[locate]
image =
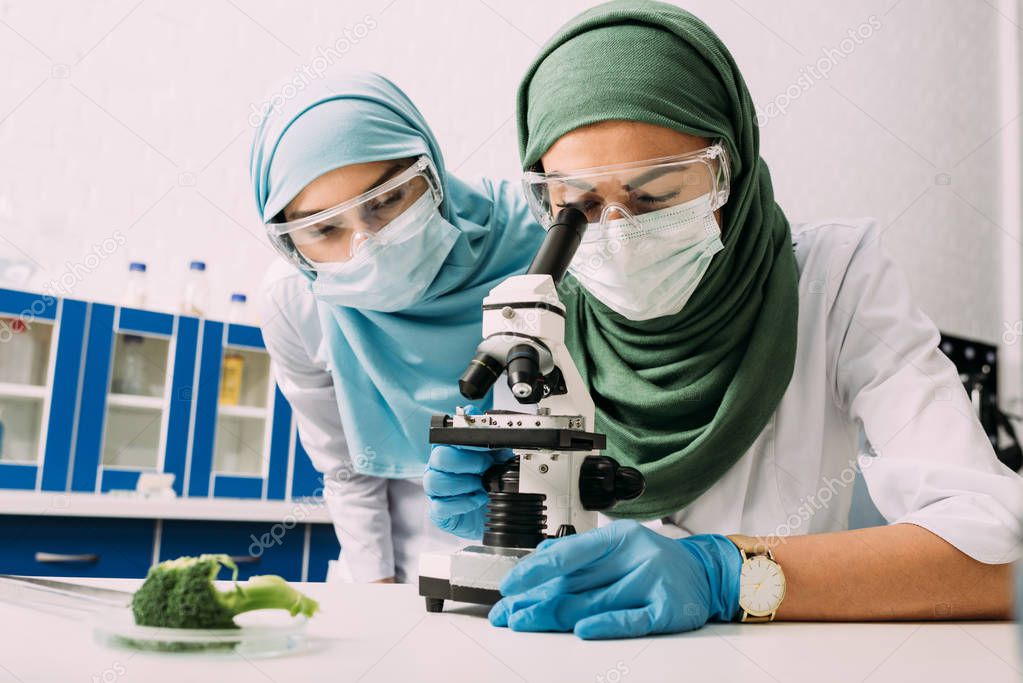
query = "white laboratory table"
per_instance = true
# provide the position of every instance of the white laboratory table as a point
(382, 633)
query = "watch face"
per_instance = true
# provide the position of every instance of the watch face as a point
(761, 586)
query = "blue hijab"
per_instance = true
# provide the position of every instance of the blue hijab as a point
(392, 371)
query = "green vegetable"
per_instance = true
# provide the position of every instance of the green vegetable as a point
(180, 594)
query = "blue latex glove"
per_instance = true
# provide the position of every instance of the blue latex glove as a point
(454, 484)
(621, 581)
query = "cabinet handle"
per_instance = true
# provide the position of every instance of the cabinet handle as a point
(244, 559)
(60, 558)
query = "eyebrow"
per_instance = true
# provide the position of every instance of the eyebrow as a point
(579, 184)
(652, 174)
(391, 171)
(640, 181)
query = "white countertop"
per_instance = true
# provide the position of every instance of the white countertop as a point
(382, 633)
(61, 504)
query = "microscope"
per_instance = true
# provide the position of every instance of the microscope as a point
(556, 481)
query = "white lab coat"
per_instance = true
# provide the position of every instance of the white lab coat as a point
(382, 524)
(866, 358)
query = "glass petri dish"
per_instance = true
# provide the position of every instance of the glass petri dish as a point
(262, 634)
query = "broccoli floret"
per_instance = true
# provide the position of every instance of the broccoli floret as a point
(180, 594)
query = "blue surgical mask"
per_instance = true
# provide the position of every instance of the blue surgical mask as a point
(392, 271)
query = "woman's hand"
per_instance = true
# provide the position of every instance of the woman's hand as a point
(621, 581)
(454, 484)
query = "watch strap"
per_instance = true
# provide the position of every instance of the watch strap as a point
(751, 546)
(748, 618)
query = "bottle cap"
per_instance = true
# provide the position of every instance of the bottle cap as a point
(197, 265)
(238, 297)
(137, 266)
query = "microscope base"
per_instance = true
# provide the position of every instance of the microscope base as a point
(436, 591)
(473, 575)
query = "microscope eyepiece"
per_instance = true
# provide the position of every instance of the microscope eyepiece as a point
(479, 376)
(559, 245)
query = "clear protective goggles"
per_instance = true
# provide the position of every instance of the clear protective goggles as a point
(335, 235)
(631, 189)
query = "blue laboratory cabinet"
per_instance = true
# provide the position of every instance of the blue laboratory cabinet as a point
(92, 396)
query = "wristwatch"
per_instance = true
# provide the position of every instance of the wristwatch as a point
(761, 581)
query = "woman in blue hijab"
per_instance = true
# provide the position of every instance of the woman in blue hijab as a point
(376, 305)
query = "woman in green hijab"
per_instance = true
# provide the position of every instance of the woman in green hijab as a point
(734, 360)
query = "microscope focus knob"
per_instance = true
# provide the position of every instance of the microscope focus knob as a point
(603, 483)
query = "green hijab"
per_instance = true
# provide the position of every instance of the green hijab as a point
(681, 397)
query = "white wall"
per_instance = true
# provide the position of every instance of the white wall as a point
(132, 119)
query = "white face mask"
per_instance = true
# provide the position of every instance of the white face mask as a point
(391, 271)
(648, 266)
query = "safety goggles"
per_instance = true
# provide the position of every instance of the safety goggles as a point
(632, 189)
(336, 235)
